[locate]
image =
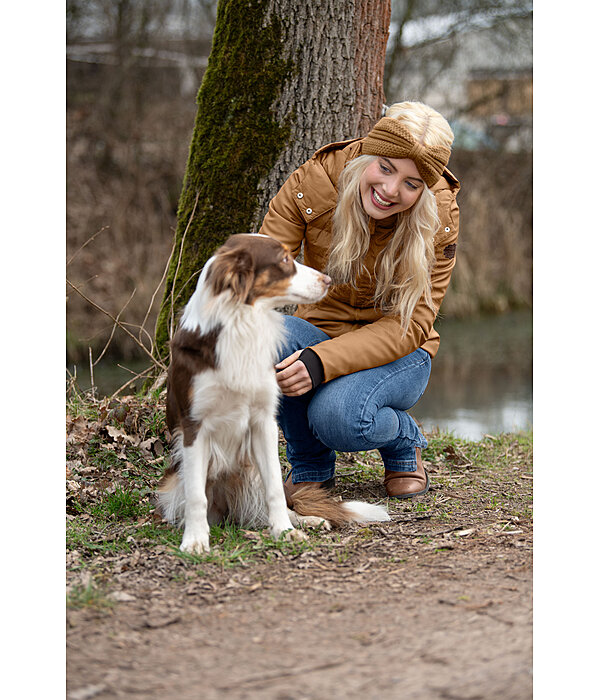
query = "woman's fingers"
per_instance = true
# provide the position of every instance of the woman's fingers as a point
(288, 360)
(294, 379)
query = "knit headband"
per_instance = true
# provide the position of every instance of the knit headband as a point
(389, 138)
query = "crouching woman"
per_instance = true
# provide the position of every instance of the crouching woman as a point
(378, 214)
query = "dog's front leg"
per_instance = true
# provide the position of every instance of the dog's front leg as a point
(195, 469)
(266, 457)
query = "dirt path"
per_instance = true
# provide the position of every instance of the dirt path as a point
(444, 623)
(435, 604)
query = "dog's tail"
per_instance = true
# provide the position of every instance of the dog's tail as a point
(170, 495)
(313, 500)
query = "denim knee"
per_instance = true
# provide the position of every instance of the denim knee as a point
(299, 334)
(344, 431)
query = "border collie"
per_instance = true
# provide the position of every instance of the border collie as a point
(222, 399)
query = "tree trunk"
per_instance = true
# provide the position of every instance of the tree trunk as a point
(284, 77)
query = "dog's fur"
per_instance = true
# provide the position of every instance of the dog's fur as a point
(222, 399)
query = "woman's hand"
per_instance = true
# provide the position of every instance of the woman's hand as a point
(292, 376)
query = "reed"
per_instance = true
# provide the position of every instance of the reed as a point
(494, 255)
(123, 185)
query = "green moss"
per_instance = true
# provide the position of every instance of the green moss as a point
(235, 143)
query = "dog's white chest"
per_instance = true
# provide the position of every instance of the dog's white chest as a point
(214, 402)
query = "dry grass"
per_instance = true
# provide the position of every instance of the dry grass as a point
(494, 257)
(123, 194)
(124, 178)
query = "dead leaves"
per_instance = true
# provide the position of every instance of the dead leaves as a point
(456, 457)
(151, 448)
(111, 443)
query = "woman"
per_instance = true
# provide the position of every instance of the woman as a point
(379, 216)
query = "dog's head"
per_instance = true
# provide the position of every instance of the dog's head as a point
(258, 269)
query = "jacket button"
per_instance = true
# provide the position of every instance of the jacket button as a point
(300, 195)
(309, 211)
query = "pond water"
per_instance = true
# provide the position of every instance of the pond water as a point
(481, 378)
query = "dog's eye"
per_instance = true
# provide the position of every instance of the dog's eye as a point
(286, 259)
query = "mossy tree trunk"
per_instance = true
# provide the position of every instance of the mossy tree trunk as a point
(284, 77)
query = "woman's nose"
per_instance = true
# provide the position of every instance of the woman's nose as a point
(392, 189)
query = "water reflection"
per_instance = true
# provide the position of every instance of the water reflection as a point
(481, 378)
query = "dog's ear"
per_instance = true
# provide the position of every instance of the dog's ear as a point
(232, 270)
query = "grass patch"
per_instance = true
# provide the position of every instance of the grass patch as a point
(125, 503)
(359, 467)
(232, 546)
(88, 596)
(116, 456)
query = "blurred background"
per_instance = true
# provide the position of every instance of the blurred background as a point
(133, 71)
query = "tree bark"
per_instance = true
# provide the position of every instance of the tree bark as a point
(284, 77)
(337, 91)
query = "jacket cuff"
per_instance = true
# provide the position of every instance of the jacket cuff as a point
(313, 365)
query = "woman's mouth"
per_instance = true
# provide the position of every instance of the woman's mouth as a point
(379, 201)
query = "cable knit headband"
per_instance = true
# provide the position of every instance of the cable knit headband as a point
(389, 138)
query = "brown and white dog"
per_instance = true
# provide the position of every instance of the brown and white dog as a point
(222, 399)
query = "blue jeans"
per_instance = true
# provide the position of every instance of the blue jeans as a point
(364, 410)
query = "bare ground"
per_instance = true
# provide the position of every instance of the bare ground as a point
(435, 604)
(459, 627)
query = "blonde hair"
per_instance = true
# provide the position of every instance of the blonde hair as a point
(403, 268)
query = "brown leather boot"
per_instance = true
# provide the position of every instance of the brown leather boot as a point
(291, 488)
(407, 484)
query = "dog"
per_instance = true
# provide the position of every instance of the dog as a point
(222, 399)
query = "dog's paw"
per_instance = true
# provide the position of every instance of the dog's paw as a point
(313, 521)
(194, 545)
(294, 535)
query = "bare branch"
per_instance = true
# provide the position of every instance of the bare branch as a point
(130, 381)
(121, 326)
(187, 228)
(92, 385)
(162, 279)
(89, 240)
(114, 328)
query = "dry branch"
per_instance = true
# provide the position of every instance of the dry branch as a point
(122, 326)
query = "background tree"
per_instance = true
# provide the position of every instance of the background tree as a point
(133, 72)
(283, 78)
(426, 37)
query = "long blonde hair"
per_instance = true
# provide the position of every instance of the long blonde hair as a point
(403, 268)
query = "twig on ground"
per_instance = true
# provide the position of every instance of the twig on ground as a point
(266, 678)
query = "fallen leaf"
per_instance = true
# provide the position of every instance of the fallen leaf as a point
(464, 533)
(156, 622)
(121, 597)
(116, 433)
(88, 692)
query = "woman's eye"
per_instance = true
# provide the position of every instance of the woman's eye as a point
(412, 186)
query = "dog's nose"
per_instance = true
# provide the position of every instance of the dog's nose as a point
(326, 280)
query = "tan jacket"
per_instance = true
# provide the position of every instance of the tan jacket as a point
(362, 336)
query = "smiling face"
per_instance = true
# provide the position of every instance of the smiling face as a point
(389, 186)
